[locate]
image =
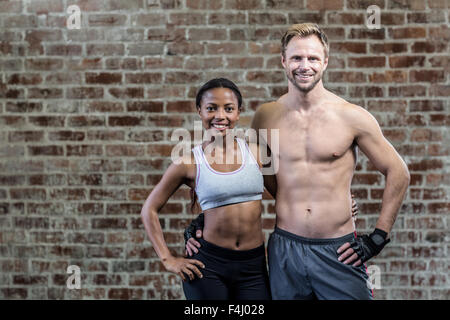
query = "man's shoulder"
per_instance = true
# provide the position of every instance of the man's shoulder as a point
(354, 115)
(348, 109)
(268, 106)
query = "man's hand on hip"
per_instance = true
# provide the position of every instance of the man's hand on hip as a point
(362, 248)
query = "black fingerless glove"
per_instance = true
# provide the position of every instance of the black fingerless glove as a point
(196, 224)
(367, 246)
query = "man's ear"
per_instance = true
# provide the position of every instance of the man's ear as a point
(325, 64)
(283, 60)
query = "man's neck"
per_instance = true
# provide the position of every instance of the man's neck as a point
(300, 100)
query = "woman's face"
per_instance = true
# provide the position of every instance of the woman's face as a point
(219, 110)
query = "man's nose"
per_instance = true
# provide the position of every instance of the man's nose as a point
(304, 64)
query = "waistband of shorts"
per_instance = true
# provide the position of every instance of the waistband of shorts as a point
(346, 238)
(231, 254)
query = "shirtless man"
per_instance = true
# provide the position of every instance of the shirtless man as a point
(314, 251)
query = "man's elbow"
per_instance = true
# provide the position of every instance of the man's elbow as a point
(406, 176)
(403, 176)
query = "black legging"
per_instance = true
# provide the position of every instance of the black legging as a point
(229, 274)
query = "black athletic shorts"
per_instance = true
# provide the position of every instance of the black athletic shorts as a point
(229, 274)
(303, 268)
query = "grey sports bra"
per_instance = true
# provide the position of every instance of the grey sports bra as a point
(215, 189)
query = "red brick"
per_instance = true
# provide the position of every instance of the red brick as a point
(439, 90)
(406, 61)
(438, 208)
(204, 4)
(63, 50)
(346, 76)
(226, 18)
(126, 93)
(84, 93)
(125, 294)
(129, 5)
(24, 79)
(389, 76)
(325, 4)
(201, 34)
(187, 19)
(86, 121)
(103, 78)
(407, 33)
(66, 136)
(440, 61)
(105, 49)
(265, 77)
(432, 76)
(426, 105)
(440, 4)
(348, 47)
(68, 194)
(166, 120)
(424, 165)
(147, 77)
(182, 77)
(313, 17)
(407, 4)
(364, 33)
(243, 4)
(345, 18)
(226, 48)
(22, 107)
(168, 34)
(106, 20)
(407, 91)
(45, 150)
(43, 64)
(426, 17)
(63, 78)
(428, 46)
(106, 135)
(145, 49)
(125, 121)
(366, 62)
(45, 93)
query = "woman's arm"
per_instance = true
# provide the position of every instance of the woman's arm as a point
(172, 179)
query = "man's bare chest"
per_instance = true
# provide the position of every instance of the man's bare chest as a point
(320, 139)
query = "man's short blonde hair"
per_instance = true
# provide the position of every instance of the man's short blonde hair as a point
(304, 30)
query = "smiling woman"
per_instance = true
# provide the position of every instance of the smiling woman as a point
(231, 262)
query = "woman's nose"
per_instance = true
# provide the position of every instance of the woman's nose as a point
(220, 114)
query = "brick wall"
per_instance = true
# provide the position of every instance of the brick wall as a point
(86, 118)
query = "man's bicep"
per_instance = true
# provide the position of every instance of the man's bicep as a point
(375, 146)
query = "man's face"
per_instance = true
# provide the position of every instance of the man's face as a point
(304, 62)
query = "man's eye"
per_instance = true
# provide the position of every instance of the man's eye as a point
(229, 109)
